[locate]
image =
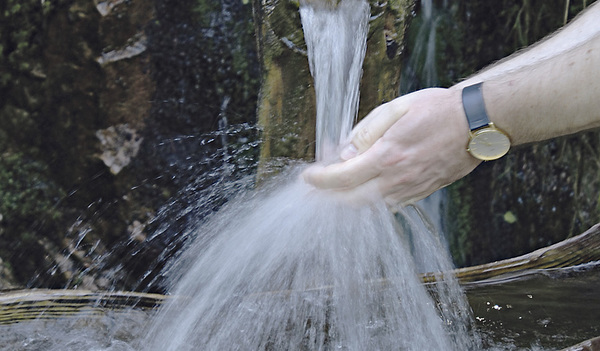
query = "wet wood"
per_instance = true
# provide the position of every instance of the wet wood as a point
(588, 345)
(580, 249)
(22, 305)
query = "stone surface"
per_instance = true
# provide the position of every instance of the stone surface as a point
(96, 98)
(119, 145)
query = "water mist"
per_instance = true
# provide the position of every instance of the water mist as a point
(291, 267)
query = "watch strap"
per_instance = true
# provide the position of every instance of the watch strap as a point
(472, 98)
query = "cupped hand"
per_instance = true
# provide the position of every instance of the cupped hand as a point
(405, 149)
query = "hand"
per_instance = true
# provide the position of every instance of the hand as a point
(404, 150)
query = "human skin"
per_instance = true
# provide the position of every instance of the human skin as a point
(416, 144)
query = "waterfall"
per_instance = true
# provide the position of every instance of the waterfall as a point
(336, 39)
(418, 72)
(291, 267)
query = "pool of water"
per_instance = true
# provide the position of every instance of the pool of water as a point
(545, 310)
(104, 330)
(542, 310)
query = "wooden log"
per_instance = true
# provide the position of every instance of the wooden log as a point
(580, 249)
(588, 345)
(22, 305)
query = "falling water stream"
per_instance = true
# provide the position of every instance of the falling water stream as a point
(291, 267)
(336, 39)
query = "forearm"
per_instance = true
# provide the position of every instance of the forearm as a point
(550, 90)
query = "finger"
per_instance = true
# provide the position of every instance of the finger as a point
(344, 175)
(376, 124)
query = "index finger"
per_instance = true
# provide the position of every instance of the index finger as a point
(376, 123)
(344, 175)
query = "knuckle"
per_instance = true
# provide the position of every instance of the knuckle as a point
(397, 107)
(362, 139)
(406, 178)
(392, 158)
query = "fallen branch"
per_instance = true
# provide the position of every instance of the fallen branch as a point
(588, 345)
(22, 305)
(580, 249)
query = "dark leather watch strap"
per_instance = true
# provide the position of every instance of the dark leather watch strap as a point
(474, 106)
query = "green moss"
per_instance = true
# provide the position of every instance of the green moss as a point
(460, 223)
(21, 24)
(202, 11)
(26, 195)
(28, 202)
(286, 106)
(284, 22)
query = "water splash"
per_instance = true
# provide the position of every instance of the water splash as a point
(291, 267)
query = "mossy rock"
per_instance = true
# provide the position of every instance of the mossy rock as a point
(286, 109)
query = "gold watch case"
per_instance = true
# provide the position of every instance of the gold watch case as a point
(488, 143)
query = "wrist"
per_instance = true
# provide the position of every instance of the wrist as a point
(486, 141)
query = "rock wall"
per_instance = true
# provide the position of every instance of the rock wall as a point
(108, 113)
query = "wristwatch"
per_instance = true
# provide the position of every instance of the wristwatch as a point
(486, 141)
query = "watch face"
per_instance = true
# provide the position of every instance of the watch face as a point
(489, 144)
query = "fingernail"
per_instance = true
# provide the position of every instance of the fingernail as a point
(348, 152)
